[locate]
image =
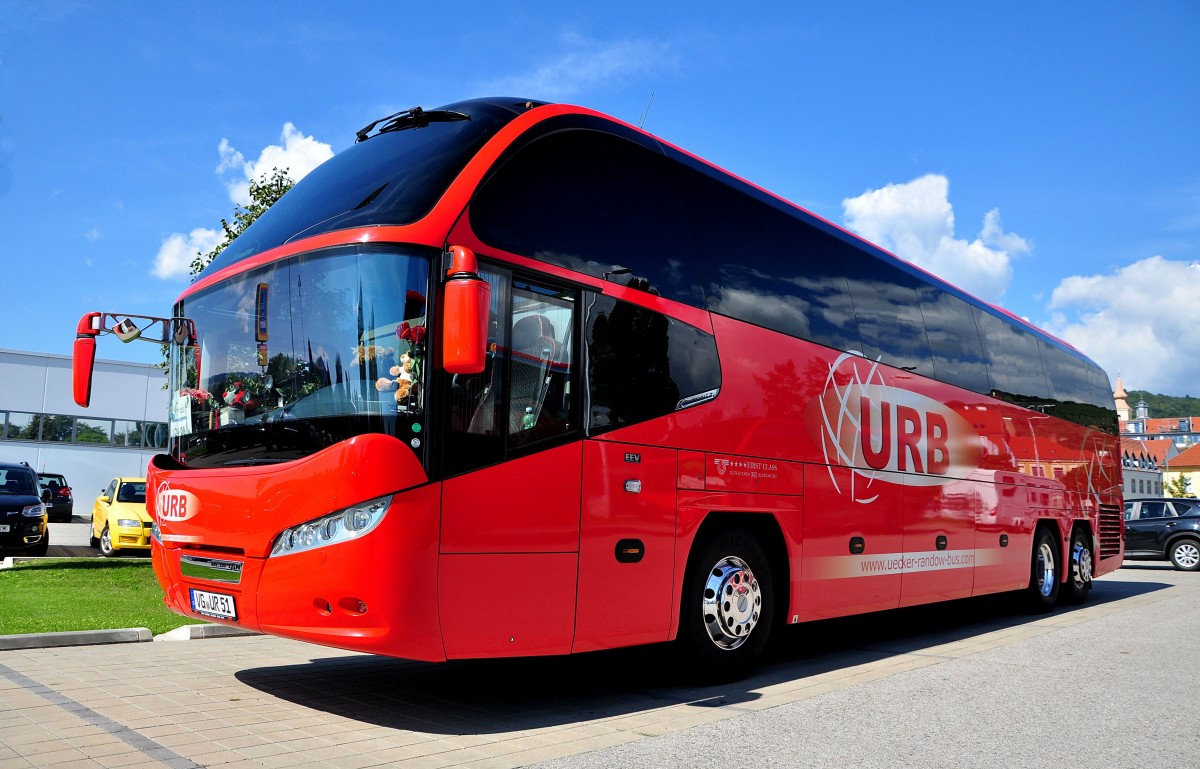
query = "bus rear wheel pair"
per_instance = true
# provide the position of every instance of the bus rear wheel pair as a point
(1045, 587)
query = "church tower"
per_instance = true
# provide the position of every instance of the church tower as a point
(1120, 395)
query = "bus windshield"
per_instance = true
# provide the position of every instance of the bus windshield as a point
(295, 356)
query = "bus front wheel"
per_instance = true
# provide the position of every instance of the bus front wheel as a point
(728, 606)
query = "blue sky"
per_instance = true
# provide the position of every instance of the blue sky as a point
(1045, 156)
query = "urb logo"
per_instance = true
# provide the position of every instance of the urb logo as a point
(174, 504)
(875, 429)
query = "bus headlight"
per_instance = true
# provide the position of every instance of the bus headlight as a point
(342, 526)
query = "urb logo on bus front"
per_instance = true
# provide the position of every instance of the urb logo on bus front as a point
(174, 504)
(875, 429)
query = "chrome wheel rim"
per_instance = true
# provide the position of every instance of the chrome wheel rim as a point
(1045, 569)
(1187, 555)
(1081, 565)
(105, 542)
(732, 603)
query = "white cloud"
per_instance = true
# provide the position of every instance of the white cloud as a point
(175, 255)
(915, 221)
(92, 235)
(296, 153)
(586, 65)
(1137, 321)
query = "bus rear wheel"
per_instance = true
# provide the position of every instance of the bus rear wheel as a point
(1042, 592)
(1079, 581)
(728, 606)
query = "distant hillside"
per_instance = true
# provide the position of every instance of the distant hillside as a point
(1164, 405)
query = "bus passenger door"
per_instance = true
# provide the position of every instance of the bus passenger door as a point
(627, 545)
(511, 456)
(509, 557)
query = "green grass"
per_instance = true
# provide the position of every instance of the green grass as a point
(47, 596)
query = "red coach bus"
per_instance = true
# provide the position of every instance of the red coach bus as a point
(511, 378)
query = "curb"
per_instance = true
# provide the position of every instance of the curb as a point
(120, 636)
(196, 632)
(75, 638)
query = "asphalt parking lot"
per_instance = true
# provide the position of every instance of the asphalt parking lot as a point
(973, 683)
(72, 539)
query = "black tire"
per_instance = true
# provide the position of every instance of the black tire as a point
(1081, 569)
(1185, 554)
(723, 639)
(41, 548)
(106, 546)
(1042, 592)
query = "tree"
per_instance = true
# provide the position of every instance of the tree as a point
(1179, 486)
(264, 192)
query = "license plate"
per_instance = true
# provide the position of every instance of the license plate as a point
(213, 604)
(3, 528)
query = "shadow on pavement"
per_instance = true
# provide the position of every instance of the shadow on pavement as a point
(490, 696)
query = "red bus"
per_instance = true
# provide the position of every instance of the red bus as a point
(511, 378)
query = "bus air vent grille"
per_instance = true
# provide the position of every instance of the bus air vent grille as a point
(1111, 520)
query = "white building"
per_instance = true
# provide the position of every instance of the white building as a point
(117, 435)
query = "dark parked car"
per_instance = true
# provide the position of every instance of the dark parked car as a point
(61, 504)
(24, 527)
(1163, 528)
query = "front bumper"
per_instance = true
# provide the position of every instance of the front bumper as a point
(22, 535)
(130, 538)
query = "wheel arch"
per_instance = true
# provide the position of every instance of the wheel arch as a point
(764, 527)
(1176, 537)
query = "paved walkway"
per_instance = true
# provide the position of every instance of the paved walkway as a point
(265, 702)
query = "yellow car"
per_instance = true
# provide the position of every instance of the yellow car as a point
(119, 517)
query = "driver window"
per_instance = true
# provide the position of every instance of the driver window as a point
(524, 395)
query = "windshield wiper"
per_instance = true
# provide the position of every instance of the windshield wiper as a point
(410, 118)
(254, 461)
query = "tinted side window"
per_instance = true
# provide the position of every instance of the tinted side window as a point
(1014, 362)
(1068, 375)
(766, 267)
(889, 316)
(1189, 509)
(1151, 510)
(1077, 398)
(953, 337)
(593, 203)
(643, 364)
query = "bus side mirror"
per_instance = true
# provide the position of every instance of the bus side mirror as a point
(465, 306)
(83, 359)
